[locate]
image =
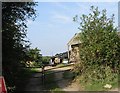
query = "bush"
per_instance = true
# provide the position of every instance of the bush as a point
(100, 48)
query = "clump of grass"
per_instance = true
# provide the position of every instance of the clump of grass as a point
(90, 85)
(96, 77)
(57, 90)
(24, 75)
(62, 65)
(68, 75)
(50, 83)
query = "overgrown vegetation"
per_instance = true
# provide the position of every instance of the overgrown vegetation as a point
(24, 77)
(14, 45)
(46, 60)
(68, 74)
(50, 83)
(99, 50)
(33, 58)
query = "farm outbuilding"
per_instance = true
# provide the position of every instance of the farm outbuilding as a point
(73, 48)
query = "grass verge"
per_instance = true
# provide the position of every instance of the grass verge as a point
(62, 65)
(51, 84)
(68, 75)
(24, 76)
(97, 85)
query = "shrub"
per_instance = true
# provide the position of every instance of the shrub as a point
(100, 48)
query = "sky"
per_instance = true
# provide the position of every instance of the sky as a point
(54, 26)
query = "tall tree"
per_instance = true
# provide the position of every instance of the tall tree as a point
(34, 55)
(100, 48)
(14, 28)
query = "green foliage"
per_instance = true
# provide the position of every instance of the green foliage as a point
(57, 90)
(50, 83)
(46, 59)
(34, 55)
(33, 58)
(68, 75)
(14, 45)
(100, 48)
(26, 74)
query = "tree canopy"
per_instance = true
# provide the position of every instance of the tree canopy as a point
(34, 55)
(100, 48)
(14, 30)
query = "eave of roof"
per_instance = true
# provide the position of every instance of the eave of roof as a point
(75, 39)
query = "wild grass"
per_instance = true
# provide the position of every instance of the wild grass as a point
(98, 85)
(24, 76)
(50, 83)
(68, 75)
